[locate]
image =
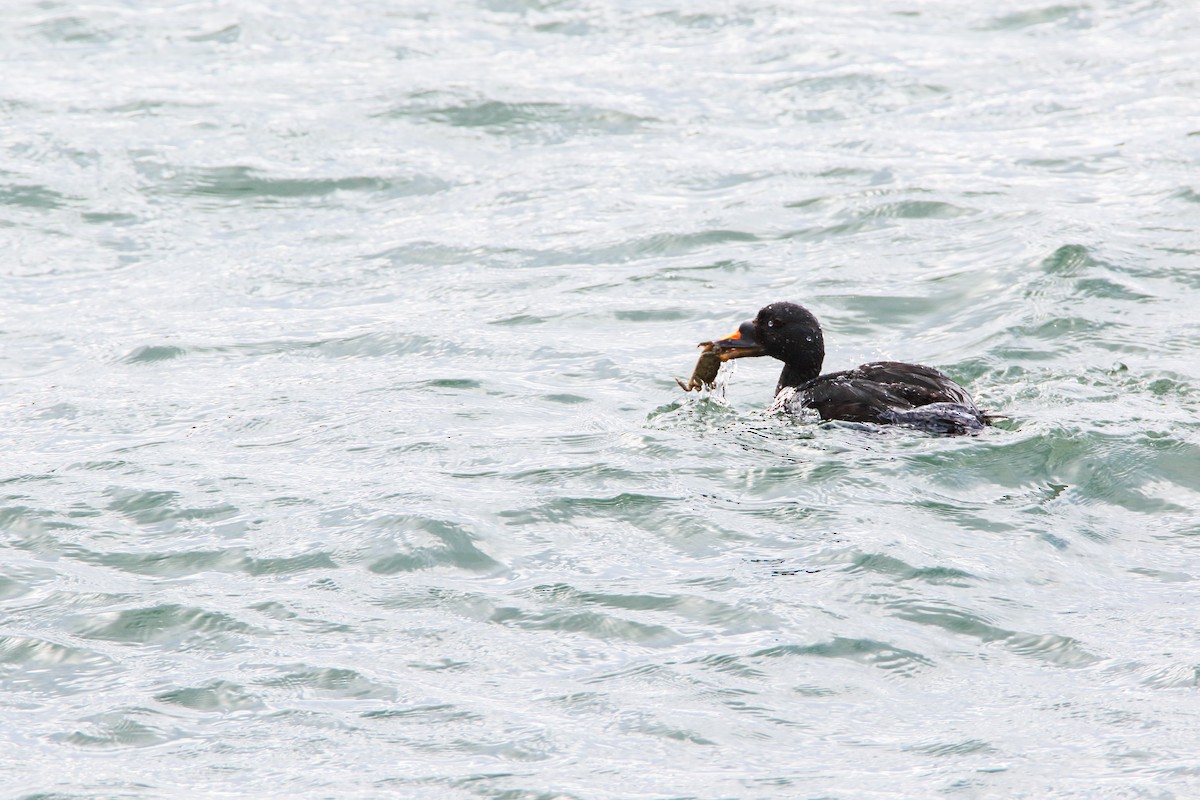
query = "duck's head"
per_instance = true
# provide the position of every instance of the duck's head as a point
(785, 331)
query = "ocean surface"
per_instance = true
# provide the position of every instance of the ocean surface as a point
(342, 455)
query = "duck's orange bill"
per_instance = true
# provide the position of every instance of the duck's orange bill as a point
(740, 344)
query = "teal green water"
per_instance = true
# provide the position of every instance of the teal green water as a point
(343, 455)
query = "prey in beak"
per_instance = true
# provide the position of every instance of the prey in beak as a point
(741, 344)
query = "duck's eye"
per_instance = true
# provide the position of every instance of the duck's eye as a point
(770, 323)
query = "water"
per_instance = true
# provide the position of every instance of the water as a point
(342, 453)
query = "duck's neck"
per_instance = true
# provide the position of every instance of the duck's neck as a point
(802, 350)
(799, 372)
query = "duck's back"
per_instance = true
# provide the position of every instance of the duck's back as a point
(891, 392)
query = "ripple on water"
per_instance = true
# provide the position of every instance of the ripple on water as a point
(238, 185)
(960, 748)
(42, 667)
(684, 608)
(435, 715)
(428, 543)
(152, 353)
(218, 696)
(278, 611)
(1091, 467)
(471, 605)
(1071, 16)
(169, 625)
(920, 209)
(157, 506)
(364, 345)
(1169, 676)
(300, 680)
(31, 196)
(598, 625)
(660, 516)
(545, 122)
(10, 587)
(869, 652)
(181, 563)
(125, 728)
(1061, 651)
(893, 567)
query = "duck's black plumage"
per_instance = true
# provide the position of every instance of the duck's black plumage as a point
(884, 392)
